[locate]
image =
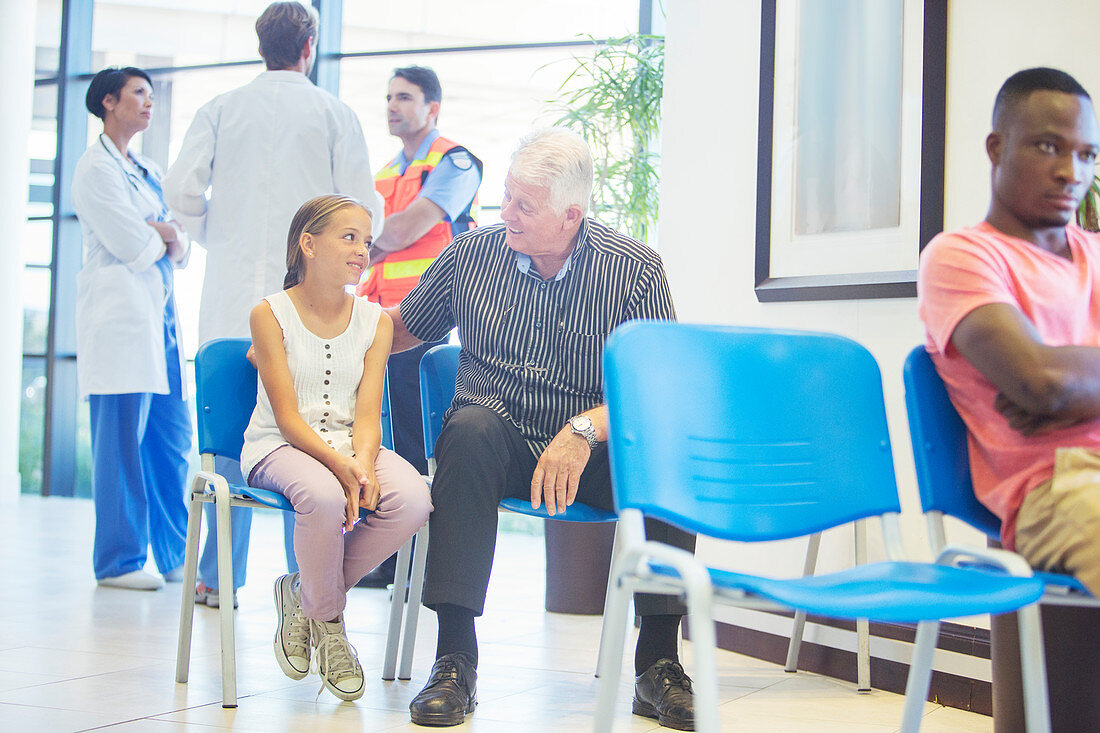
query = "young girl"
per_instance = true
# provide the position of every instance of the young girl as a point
(315, 433)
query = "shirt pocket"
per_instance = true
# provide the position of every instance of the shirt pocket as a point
(577, 363)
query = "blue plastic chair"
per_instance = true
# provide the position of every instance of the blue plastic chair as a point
(770, 435)
(225, 395)
(943, 471)
(438, 371)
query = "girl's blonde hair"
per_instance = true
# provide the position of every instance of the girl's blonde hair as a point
(313, 216)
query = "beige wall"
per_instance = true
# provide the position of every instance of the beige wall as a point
(708, 198)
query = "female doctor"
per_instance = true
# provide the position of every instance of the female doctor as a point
(129, 362)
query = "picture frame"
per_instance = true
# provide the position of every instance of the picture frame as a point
(796, 267)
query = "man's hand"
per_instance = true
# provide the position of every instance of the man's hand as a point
(558, 473)
(1030, 424)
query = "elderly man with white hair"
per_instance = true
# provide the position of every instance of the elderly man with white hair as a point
(534, 299)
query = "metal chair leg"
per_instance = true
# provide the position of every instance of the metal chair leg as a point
(412, 612)
(920, 675)
(863, 626)
(1033, 670)
(607, 602)
(612, 641)
(397, 601)
(190, 570)
(808, 568)
(225, 589)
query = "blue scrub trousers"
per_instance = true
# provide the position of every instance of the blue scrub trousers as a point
(140, 448)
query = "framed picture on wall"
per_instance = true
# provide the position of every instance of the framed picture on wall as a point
(851, 146)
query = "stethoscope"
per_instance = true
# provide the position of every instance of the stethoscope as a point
(147, 187)
(144, 185)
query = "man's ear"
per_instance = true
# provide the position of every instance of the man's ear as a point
(994, 144)
(573, 215)
(433, 111)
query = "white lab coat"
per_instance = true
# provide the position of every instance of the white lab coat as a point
(263, 150)
(120, 296)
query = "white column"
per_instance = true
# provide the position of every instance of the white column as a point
(17, 61)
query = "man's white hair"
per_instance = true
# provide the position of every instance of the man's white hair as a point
(558, 160)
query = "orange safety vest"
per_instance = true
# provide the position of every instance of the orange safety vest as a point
(399, 273)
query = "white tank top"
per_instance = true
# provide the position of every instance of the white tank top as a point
(326, 375)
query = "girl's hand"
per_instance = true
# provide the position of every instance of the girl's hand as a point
(368, 497)
(353, 479)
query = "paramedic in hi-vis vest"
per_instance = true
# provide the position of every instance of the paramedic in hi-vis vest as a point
(430, 189)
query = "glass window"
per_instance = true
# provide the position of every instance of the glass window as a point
(47, 38)
(32, 424)
(42, 150)
(42, 143)
(37, 242)
(36, 309)
(181, 32)
(490, 100)
(445, 23)
(83, 480)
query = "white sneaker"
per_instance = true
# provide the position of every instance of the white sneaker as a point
(175, 575)
(135, 580)
(336, 660)
(292, 632)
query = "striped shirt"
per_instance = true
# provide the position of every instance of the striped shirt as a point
(532, 349)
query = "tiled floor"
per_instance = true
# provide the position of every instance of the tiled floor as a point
(76, 657)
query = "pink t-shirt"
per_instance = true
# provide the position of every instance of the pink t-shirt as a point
(960, 271)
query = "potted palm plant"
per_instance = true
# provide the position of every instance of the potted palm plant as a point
(613, 99)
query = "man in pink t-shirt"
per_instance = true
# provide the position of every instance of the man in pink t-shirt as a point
(1012, 312)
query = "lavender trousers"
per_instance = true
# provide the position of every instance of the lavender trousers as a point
(330, 560)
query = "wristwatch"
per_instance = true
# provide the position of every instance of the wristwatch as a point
(582, 425)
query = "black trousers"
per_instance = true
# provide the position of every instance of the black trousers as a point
(481, 459)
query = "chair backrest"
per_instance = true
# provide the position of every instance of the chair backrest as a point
(939, 447)
(438, 370)
(387, 422)
(745, 433)
(225, 390)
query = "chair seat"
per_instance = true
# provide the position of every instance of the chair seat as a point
(576, 513)
(888, 591)
(272, 499)
(1060, 582)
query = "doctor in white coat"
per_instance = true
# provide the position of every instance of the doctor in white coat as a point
(261, 150)
(129, 362)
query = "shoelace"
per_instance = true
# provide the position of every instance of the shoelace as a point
(444, 670)
(676, 675)
(335, 656)
(296, 633)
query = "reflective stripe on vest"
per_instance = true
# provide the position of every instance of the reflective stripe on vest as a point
(405, 268)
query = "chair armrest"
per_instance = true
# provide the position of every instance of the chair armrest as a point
(1010, 562)
(207, 478)
(635, 561)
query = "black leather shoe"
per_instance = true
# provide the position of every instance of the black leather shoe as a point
(451, 692)
(663, 692)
